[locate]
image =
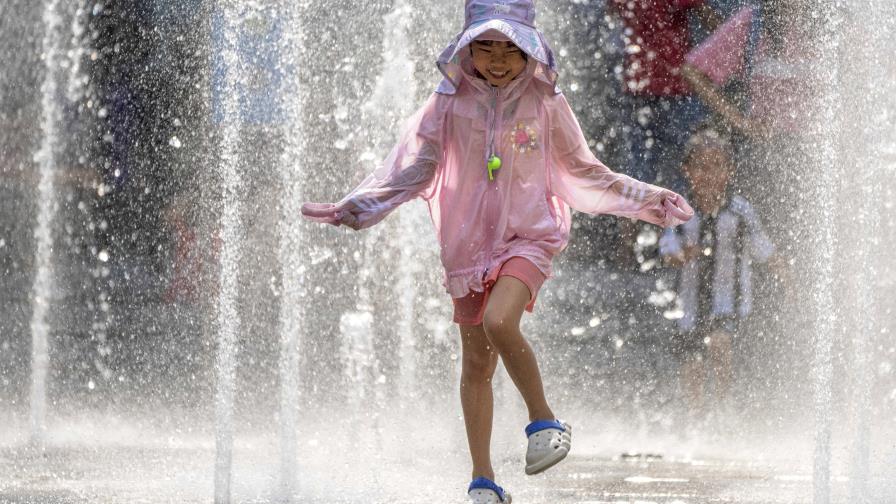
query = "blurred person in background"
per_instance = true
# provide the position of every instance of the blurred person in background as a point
(662, 111)
(715, 252)
(192, 255)
(758, 74)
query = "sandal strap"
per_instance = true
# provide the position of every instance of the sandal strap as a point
(483, 483)
(540, 425)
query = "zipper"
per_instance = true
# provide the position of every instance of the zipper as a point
(493, 138)
(492, 134)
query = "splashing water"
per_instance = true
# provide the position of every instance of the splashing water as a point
(228, 318)
(292, 235)
(61, 80)
(47, 207)
(345, 100)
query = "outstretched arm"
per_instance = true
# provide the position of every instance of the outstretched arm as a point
(374, 199)
(407, 173)
(587, 185)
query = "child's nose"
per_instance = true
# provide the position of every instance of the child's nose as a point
(498, 58)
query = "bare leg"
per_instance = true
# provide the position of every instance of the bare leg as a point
(476, 397)
(506, 303)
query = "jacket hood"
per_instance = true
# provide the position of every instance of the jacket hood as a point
(513, 19)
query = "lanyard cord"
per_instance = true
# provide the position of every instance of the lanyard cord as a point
(492, 160)
(492, 123)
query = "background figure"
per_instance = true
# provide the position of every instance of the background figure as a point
(757, 74)
(715, 251)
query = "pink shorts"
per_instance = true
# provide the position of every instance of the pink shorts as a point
(470, 309)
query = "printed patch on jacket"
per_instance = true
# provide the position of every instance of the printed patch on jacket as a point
(523, 138)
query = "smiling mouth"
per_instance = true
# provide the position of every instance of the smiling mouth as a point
(498, 75)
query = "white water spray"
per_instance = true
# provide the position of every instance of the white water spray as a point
(393, 95)
(395, 91)
(828, 131)
(44, 285)
(228, 323)
(291, 257)
(865, 144)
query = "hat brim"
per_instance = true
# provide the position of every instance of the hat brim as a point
(494, 36)
(527, 38)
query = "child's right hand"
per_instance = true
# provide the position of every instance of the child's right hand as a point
(327, 213)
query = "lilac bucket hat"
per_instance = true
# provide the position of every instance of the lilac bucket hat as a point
(514, 19)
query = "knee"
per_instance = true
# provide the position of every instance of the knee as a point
(479, 367)
(499, 327)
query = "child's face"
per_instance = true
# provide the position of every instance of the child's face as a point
(708, 169)
(498, 62)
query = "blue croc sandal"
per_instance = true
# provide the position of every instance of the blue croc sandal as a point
(549, 443)
(485, 491)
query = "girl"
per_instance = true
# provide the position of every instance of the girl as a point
(499, 156)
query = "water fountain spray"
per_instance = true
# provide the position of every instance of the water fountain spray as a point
(47, 158)
(291, 239)
(865, 144)
(827, 132)
(228, 317)
(395, 92)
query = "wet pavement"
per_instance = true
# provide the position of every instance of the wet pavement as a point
(111, 460)
(135, 475)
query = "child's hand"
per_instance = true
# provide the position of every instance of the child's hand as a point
(328, 213)
(671, 210)
(677, 209)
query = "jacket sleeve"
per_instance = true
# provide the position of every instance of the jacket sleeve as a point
(585, 184)
(408, 172)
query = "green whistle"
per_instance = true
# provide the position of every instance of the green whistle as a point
(494, 164)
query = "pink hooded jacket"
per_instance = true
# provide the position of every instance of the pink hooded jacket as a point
(547, 168)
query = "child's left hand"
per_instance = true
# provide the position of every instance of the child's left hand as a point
(678, 211)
